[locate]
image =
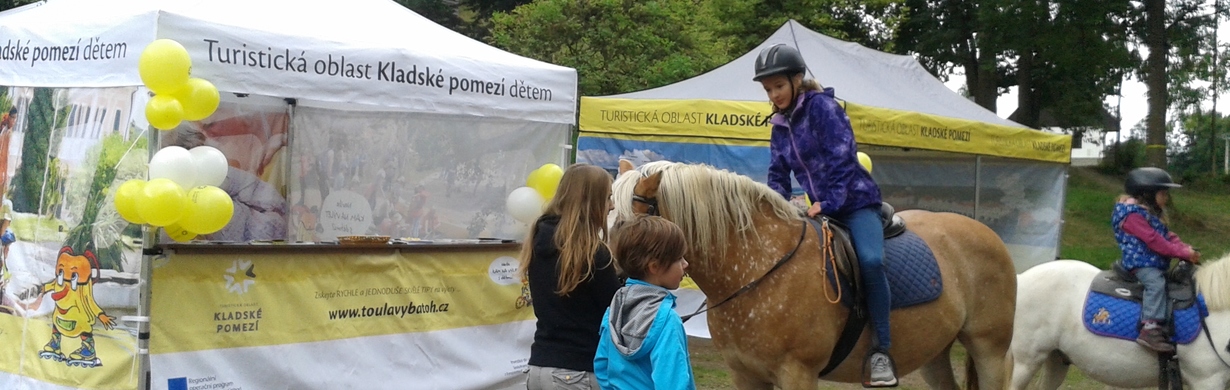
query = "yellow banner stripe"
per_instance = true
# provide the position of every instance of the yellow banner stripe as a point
(685, 120)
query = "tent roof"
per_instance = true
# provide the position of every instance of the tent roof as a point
(858, 74)
(237, 43)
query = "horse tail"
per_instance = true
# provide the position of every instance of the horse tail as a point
(971, 374)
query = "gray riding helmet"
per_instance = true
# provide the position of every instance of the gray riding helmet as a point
(779, 59)
(1143, 181)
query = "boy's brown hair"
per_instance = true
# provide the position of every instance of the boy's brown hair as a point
(645, 240)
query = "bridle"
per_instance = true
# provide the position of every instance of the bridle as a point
(653, 210)
(651, 202)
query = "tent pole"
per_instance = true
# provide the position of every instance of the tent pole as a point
(149, 251)
(288, 170)
(977, 185)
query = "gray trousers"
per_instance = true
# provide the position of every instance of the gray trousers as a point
(551, 378)
(1156, 303)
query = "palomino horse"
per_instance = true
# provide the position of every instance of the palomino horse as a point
(1050, 333)
(782, 331)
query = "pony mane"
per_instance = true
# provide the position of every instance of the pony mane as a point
(708, 204)
(1213, 279)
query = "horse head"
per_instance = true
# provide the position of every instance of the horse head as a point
(644, 189)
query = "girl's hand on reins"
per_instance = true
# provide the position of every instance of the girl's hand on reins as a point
(814, 210)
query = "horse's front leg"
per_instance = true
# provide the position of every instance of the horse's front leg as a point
(794, 375)
(744, 381)
(938, 372)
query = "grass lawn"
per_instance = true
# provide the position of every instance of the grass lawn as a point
(1201, 217)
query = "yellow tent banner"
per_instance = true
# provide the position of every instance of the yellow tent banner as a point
(698, 120)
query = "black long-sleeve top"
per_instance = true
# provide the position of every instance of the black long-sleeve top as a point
(567, 333)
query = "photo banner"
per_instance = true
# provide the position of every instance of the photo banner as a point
(704, 120)
(412, 176)
(69, 264)
(337, 320)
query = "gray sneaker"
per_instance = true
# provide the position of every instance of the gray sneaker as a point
(882, 372)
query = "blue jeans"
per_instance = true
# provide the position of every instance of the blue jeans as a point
(867, 234)
(1154, 305)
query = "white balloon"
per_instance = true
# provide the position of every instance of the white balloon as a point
(211, 166)
(525, 204)
(174, 163)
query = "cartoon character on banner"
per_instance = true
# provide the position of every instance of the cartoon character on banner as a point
(76, 311)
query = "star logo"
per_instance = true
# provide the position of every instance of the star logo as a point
(239, 277)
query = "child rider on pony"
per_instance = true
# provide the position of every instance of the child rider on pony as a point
(1139, 223)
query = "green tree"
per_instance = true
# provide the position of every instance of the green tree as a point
(9, 4)
(1029, 44)
(615, 45)
(476, 20)
(1190, 158)
(948, 36)
(97, 231)
(746, 23)
(436, 10)
(45, 120)
(1172, 32)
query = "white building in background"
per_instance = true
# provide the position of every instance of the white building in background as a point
(1086, 148)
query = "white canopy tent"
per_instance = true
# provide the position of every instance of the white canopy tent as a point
(860, 75)
(368, 101)
(360, 52)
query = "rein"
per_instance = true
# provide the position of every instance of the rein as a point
(1209, 337)
(748, 287)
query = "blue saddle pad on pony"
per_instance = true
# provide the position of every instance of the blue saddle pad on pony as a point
(913, 275)
(1111, 316)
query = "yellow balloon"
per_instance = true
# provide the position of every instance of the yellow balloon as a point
(179, 234)
(127, 197)
(164, 66)
(210, 209)
(199, 98)
(164, 112)
(164, 202)
(865, 161)
(545, 180)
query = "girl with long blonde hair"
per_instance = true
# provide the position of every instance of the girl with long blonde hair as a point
(572, 279)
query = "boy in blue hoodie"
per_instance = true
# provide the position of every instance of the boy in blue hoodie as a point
(642, 344)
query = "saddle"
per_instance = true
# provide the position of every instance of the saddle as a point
(1119, 282)
(894, 226)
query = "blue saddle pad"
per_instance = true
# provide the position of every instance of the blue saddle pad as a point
(913, 275)
(1110, 316)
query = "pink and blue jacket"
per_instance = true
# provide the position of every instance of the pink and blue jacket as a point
(816, 143)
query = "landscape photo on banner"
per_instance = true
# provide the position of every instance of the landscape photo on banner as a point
(69, 263)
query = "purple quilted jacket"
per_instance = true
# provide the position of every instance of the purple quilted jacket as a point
(817, 144)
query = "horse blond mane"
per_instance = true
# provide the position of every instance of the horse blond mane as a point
(708, 204)
(1213, 279)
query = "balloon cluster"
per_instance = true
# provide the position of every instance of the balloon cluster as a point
(525, 204)
(163, 202)
(164, 68)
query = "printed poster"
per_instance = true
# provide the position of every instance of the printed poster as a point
(333, 320)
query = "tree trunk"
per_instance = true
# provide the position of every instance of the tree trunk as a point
(987, 90)
(1027, 103)
(1155, 80)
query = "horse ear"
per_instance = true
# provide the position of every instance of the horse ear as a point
(648, 186)
(624, 166)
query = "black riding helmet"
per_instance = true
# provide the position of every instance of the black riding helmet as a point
(1148, 180)
(779, 59)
